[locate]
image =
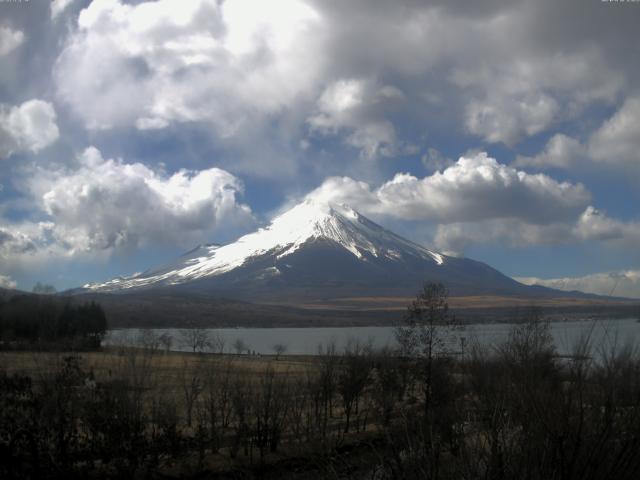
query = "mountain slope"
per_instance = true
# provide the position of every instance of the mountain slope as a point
(319, 250)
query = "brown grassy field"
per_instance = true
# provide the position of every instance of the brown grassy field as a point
(167, 367)
(464, 302)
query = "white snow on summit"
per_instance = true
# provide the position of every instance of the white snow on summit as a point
(307, 221)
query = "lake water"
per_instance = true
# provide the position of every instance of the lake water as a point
(305, 341)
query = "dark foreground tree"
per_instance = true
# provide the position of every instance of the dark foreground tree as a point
(423, 336)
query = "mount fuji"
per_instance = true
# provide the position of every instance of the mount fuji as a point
(318, 250)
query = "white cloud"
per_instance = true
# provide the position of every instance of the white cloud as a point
(28, 127)
(561, 151)
(9, 40)
(591, 225)
(434, 160)
(105, 205)
(617, 141)
(59, 6)
(374, 138)
(504, 119)
(594, 224)
(7, 282)
(155, 63)
(620, 284)
(455, 238)
(475, 188)
(354, 106)
(519, 97)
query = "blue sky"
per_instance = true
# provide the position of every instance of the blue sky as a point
(508, 132)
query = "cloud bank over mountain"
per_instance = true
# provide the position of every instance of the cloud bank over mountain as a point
(474, 188)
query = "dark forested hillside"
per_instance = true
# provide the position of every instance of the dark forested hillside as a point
(48, 321)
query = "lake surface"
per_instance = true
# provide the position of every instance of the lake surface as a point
(305, 341)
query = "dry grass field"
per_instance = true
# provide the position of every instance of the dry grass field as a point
(166, 372)
(165, 365)
(465, 302)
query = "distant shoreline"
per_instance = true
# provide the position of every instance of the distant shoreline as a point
(232, 315)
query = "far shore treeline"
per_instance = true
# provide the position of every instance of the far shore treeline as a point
(50, 322)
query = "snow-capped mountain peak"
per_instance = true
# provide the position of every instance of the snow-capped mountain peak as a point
(308, 222)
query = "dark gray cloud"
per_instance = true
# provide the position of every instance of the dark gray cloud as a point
(237, 66)
(507, 69)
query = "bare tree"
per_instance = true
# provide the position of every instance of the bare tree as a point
(279, 349)
(191, 381)
(44, 289)
(196, 339)
(424, 335)
(327, 381)
(217, 401)
(148, 340)
(391, 381)
(353, 378)
(270, 409)
(166, 341)
(241, 404)
(300, 413)
(240, 346)
(217, 343)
